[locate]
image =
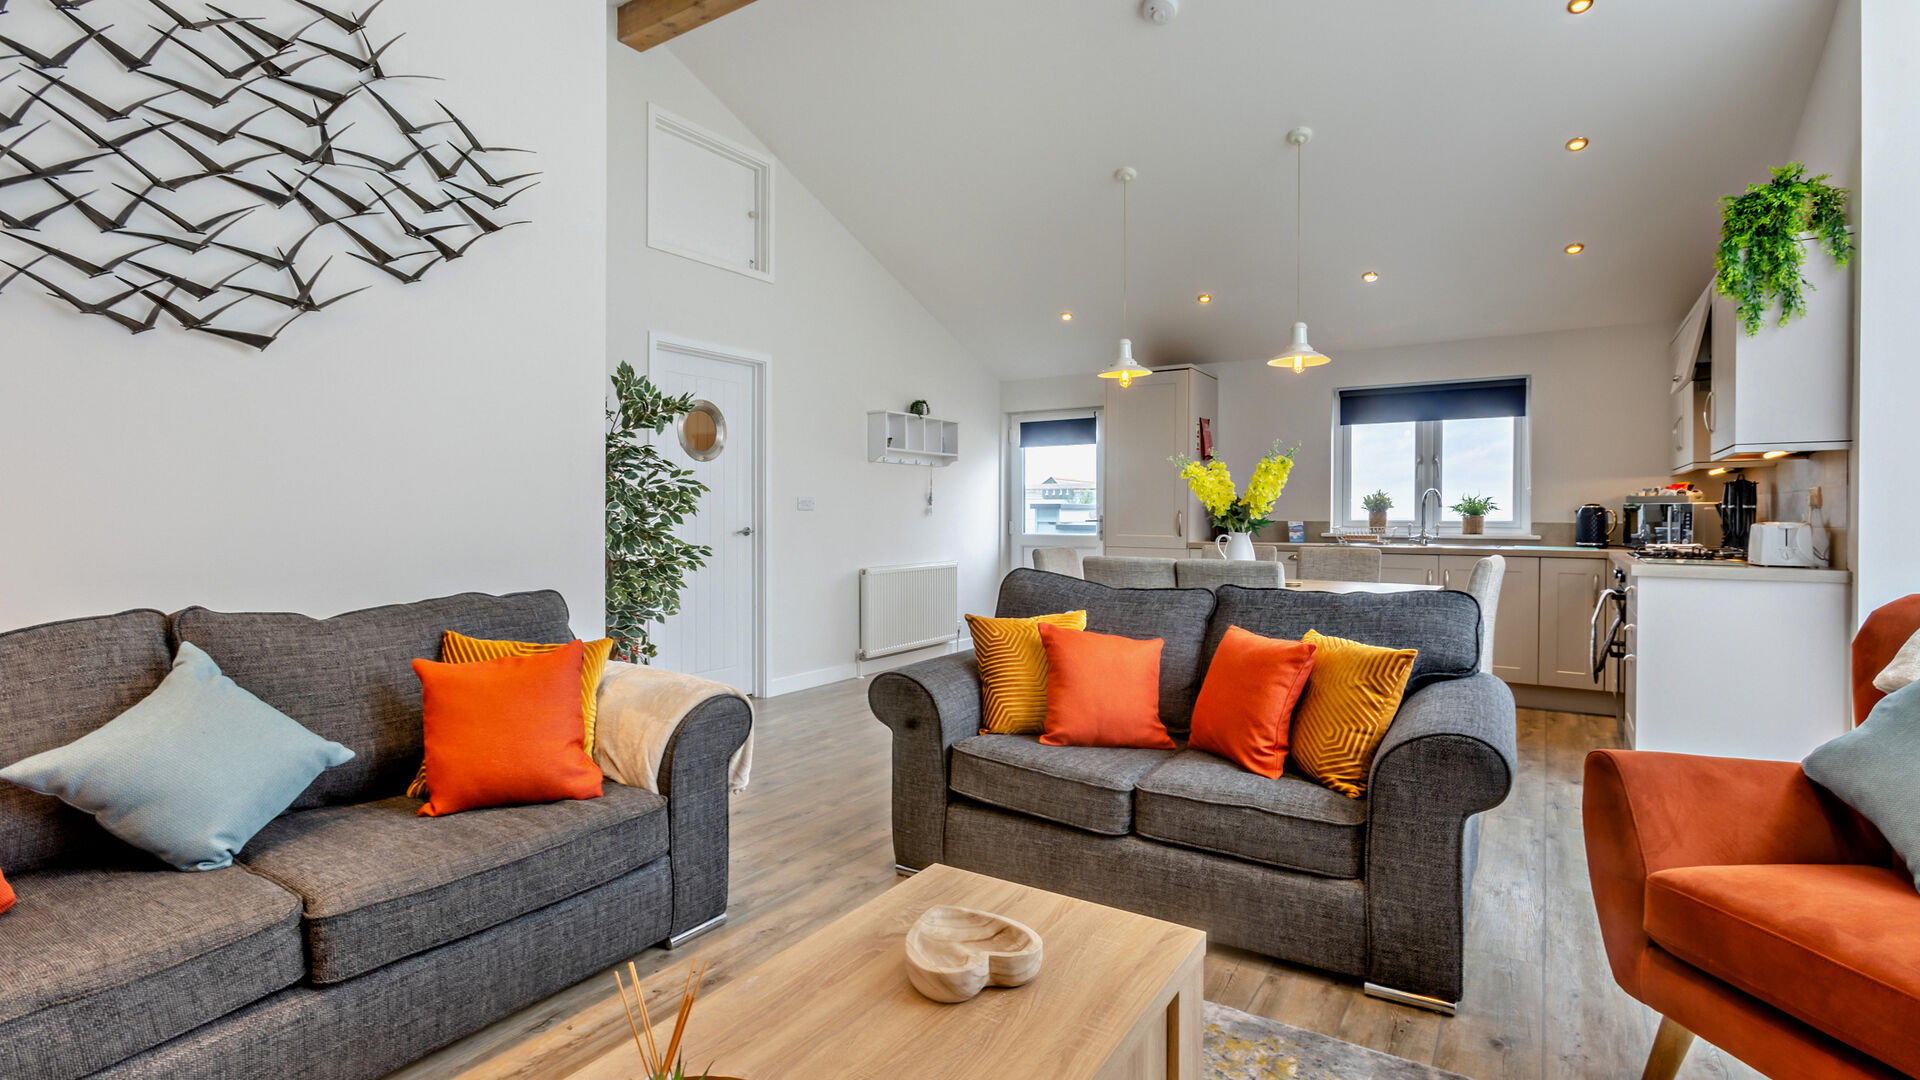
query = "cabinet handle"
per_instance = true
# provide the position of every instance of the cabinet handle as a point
(1429, 577)
(1706, 415)
(1180, 522)
(1596, 588)
(1446, 579)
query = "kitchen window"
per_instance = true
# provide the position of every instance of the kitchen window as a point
(1460, 438)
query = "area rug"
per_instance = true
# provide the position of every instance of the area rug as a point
(1241, 1046)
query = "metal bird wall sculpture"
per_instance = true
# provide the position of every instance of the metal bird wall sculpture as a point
(134, 116)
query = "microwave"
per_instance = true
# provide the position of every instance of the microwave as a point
(1655, 520)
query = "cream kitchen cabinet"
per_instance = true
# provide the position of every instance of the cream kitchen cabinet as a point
(1410, 569)
(1569, 591)
(1149, 509)
(1516, 625)
(1787, 387)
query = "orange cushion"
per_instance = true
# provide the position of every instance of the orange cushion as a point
(1246, 703)
(507, 731)
(6, 894)
(1102, 690)
(1349, 704)
(1880, 637)
(1835, 946)
(1013, 670)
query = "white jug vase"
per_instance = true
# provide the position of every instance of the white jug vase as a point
(1235, 546)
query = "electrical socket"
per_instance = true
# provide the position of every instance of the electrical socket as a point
(804, 502)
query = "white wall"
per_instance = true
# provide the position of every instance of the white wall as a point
(410, 442)
(1887, 515)
(1599, 410)
(845, 337)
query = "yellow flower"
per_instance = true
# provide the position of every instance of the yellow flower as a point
(1212, 483)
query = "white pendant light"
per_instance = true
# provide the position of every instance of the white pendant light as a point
(1126, 368)
(1299, 355)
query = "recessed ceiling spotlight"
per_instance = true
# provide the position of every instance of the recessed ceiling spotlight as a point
(1575, 249)
(1577, 143)
(1066, 316)
(1204, 298)
(1577, 7)
(1369, 277)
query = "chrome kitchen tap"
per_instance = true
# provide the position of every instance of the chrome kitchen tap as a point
(1420, 517)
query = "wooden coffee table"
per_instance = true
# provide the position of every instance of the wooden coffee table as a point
(1118, 998)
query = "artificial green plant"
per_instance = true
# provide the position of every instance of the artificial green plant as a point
(648, 499)
(1761, 255)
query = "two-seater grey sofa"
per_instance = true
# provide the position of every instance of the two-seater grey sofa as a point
(1375, 887)
(351, 937)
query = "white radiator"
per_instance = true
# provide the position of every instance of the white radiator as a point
(908, 607)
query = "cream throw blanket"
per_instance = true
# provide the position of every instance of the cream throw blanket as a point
(1904, 669)
(640, 708)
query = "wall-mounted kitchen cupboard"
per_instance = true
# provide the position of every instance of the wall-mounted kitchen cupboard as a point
(1787, 387)
(1149, 510)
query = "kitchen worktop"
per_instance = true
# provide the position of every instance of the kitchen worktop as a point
(1449, 548)
(1707, 569)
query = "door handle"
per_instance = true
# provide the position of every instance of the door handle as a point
(748, 531)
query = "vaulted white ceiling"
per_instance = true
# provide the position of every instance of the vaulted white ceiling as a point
(970, 144)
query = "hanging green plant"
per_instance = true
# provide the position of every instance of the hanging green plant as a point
(1761, 255)
(648, 497)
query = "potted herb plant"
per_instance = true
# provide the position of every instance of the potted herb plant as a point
(1240, 514)
(1764, 236)
(1377, 505)
(1473, 513)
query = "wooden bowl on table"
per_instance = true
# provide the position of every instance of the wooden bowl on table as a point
(954, 952)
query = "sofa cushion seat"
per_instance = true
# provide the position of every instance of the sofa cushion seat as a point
(1836, 946)
(97, 965)
(381, 883)
(1201, 801)
(1087, 787)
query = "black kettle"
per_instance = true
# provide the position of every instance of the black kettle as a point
(1592, 525)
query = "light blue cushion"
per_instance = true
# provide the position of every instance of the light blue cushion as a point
(191, 772)
(1875, 768)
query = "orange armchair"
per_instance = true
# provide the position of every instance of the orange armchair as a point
(1746, 904)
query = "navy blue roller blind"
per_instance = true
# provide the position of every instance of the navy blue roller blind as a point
(1075, 432)
(1434, 401)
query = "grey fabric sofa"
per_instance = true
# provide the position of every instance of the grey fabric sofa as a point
(1376, 888)
(351, 937)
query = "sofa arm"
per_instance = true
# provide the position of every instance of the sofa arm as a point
(693, 777)
(1646, 812)
(1449, 756)
(930, 706)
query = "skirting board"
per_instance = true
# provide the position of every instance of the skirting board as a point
(1561, 699)
(807, 680)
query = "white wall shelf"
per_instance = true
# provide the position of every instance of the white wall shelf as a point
(898, 438)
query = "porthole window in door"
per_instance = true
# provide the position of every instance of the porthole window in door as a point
(703, 431)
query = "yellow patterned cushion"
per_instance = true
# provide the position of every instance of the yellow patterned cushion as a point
(1013, 670)
(458, 648)
(1350, 701)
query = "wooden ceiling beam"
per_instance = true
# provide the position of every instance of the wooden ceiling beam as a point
(646, 23)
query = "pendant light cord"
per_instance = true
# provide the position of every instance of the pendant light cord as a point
(1299, 229)
(1124, 185)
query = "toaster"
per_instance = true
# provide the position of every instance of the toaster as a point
(1787, 543)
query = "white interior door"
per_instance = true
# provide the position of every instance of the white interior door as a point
(716, 634)
(1054, 478)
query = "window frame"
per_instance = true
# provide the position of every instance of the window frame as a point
(1429, 471)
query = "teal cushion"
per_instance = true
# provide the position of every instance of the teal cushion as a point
(191, 772)
(1875, 768)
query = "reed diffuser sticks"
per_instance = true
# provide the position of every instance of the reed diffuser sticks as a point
(660, 1065)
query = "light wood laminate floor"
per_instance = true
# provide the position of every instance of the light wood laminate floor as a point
(810, 841)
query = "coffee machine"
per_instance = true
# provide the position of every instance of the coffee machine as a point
(1739, 504)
